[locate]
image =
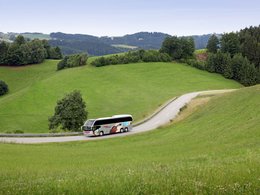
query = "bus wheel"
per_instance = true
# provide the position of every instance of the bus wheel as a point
(126, 129)
(121, 130)
(101, 133)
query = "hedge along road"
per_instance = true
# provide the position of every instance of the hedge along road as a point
(159, 118)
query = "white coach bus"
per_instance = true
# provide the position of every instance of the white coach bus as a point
(108, 125)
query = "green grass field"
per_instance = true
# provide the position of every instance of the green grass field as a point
(200, 51)
(216, 150)
(124, 46)
(36, 36)
(137, 89)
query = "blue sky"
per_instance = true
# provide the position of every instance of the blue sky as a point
(120, 17)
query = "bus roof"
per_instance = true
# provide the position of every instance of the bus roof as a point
(113, 117)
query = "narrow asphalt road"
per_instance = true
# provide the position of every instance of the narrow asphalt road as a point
(163, 117)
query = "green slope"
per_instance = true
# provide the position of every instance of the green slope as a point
(137, 89)
(214, 151)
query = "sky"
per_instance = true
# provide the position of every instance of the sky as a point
(120, 17)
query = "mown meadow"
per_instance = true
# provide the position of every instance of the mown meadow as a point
(215, 150)
(137, 89)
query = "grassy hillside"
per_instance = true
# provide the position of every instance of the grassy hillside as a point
(137, 89)
(215, 150)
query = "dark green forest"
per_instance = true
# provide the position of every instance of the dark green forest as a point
(23, 51)
(235, 55)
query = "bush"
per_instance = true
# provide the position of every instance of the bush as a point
(195, 63)
(3, 88)
(73, 61)
(132, 57)
(258, 77)
(70, 113)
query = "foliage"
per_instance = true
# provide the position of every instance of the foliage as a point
(72, 61)
(70, 113)
(242, 67)
(3, 88)
(212, 45)
(178, 48)
(250, 44)
(22, 52)
(219, 63)
(243, 70)
(238, 68)
(195, 63)
(230, 43)
(132, 57)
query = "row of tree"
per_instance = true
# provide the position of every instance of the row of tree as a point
(236, 55)
(237, 67)
(71, 61)
(23, 51)
(132, 57)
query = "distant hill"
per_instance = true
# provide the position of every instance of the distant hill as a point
(96, 46)
(74, 43)
(144, 40)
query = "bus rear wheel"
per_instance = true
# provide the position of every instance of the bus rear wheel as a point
(101, 133)
(126, 129)
(121, 130)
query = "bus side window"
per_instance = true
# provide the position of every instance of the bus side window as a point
(97, 127)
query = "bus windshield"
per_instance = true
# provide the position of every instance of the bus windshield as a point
(89, 123)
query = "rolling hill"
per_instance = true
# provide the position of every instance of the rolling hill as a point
(213, 151)
(96, 46)
(137, 89)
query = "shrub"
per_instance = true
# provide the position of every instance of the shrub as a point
(195, 63)
(3, 88)
(132, 57)
(72, 61)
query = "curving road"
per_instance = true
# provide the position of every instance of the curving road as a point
(162, 117)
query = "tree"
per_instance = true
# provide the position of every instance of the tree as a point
(188, 47)
(3, 88)
(3, 51)
(243, 70)
(250, 46)
(178, 48)
(70, 113)
(213, 43)
(227, 68)
(230, 43)
(23, 52)
(210, 63)
(220, 63)
(19, 40)
(172, 46)
(38, 52)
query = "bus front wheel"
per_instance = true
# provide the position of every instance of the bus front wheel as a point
(101, 133)
(126, 129)
(121, 130)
